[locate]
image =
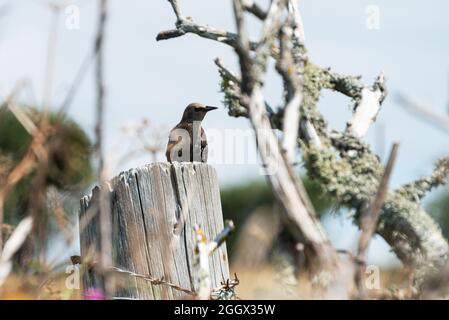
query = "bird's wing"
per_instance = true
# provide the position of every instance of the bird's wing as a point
(204, 148)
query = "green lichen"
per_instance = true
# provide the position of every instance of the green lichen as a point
(350, 172)
(231, 99)
(417, 189)
(314, 81)
(350, 180)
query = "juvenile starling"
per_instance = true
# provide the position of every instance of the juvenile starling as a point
(187, 141)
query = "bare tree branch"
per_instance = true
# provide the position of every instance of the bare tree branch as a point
(367, 108)
(417, 189)
(252, 7)
(291, 67)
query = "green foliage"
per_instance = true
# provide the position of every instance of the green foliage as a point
(71, 160)
(14, 139)
(70, 156)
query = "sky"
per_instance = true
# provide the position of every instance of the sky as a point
(156, 80)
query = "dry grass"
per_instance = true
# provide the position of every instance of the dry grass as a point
(38, 288)
(264, 284)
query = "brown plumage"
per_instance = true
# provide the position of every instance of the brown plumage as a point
(187, 141)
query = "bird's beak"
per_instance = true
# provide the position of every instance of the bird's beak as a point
(209, 108)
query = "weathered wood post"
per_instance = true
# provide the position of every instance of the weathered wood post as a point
(154, 210)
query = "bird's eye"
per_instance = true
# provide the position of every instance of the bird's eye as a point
(197, 109)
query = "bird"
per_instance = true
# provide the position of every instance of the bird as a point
(187, 141)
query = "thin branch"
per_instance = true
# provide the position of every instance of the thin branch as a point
(229, 74)
(100, 83)
(296, 22)
(252, 7)
(370, 216)
(174, 4)
(77, 81)
(186, 25)
(221, 237)
(417, 189)
(242, 48)
(104, 201)
(440, 121)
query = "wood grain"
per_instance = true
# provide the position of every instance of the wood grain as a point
(153, 211)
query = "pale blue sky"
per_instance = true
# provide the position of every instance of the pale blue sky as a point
(145, 78)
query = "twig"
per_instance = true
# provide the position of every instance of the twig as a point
(184, 26)
(297, 23)
(441, 121)
(417, 189)
(187, 26)
(219, 63)
(370, 216)
(104, 201)
(221, 237)
(252, 7)
(77, 81)
(99, 83)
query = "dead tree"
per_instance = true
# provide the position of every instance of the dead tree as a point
(339, 161)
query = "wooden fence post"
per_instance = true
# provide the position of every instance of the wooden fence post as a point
(154, 210)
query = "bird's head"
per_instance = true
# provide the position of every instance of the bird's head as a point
(196, 112)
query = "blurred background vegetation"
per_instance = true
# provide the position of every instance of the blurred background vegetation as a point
(70, 173)
(240, 201)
